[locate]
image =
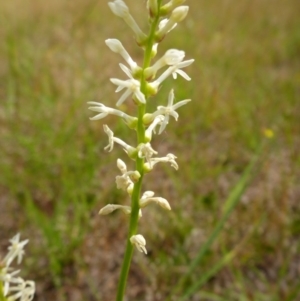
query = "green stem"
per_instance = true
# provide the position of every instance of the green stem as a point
(134, 216)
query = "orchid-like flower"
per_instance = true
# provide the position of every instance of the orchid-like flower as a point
(105, 111)
(140, 242)
(147, 198)
(23, 290)
(8, 279)
(169, 110)
(131, 85)
(170, 158)
(151, 128)
(174, 70)
(16, 249)
(127, 179)
(146, 151)
(111, 139)
(112, 207)
(14, 287)
(171, 57)
(117, 47)
(120, 9)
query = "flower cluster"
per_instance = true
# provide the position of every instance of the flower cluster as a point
(141, 83)
(13, 287)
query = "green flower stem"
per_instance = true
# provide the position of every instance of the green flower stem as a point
(134, 216)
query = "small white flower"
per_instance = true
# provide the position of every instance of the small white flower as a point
(151, 128)
(112, 207)
(111, 139)
(104, 111)
(16, 249)
(169, 110)
(140, 242)
(146, 151)
(127, 179)
(131, 85)
(147, 198)
(120, 9)
(23, 290)
(174, 70)
(8, 278)
(117, 47)
(171, 57)
(170, 158)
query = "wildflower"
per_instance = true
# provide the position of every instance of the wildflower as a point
(132, 87)
(147, 198)
(15, 250)
(140, 242)
(7, 278)
(171, 57)
(111, 207)
(13, 287)
(170, 158)
(104, 111)
(174, 70)
(146, 151)
(169, 110)
(111, 140)
(127, 179)
(117, 47)
(178, 14)
(23, 290)
(120, 9)
(151, 128)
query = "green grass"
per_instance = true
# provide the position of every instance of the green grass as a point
(55, 175)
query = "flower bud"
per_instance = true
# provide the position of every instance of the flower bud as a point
(168, 7)
(119, 8)
(134, 176)
(179, 13)
(152, 6)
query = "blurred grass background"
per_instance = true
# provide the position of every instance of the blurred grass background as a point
(55, 175)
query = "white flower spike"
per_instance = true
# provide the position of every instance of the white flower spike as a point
(140, 242)
(147, 198)
(169, 110)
